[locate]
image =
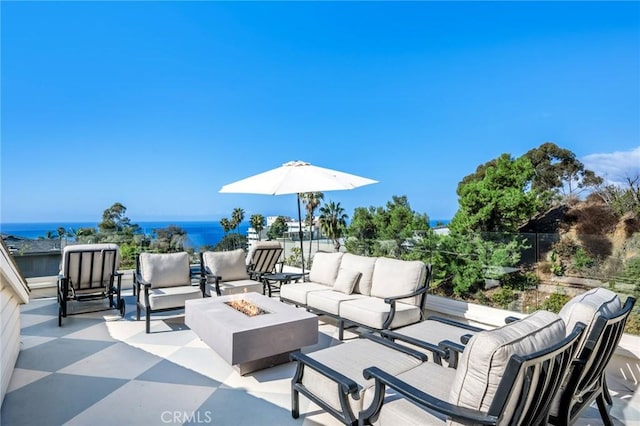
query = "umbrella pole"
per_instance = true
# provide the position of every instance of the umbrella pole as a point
(300, 232)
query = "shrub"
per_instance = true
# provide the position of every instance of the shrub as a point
(555, 302)
(504, 297)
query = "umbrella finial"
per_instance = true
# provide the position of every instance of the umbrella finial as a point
(296, 163)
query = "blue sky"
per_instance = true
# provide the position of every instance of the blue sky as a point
(158, 104)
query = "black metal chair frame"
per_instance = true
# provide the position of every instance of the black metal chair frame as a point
(67, 290)
(140, 284)
(586, 381)
(542, 373)
(344, 323)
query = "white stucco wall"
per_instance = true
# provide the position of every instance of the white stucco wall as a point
(13, 293)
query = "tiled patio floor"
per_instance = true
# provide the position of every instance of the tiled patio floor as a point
(93, 372)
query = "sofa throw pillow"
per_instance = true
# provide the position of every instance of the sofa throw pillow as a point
(324, 269)
(346, 280)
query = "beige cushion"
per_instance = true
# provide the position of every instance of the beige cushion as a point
(346, 280)
(238, 287)
(165, 269)
(325, 268)
(373, 312)
(428, 377)
(393, 277)
(351, 359)
(297, 292)
(171, 297)
(230, 265)
(329, 300)
(365, 266)
(484, 360)
(585, 308)
(69, 267)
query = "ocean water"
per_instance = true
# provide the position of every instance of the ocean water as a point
(198, 233)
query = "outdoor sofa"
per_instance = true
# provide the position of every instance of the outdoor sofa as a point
(376, 293)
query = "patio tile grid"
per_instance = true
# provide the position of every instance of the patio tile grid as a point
(100, 369)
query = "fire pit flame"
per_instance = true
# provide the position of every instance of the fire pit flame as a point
(248, 308)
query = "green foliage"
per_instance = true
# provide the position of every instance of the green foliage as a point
(237, 216)
(231, 242)
(581, 259)
(395, 224)
(169, 239)
(504, 297)
(295, 258)
(623, 200)
(277, 228)
(555, 302)
(496, 197)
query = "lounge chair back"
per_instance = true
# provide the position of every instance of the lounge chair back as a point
(263, 258)
(90, 266)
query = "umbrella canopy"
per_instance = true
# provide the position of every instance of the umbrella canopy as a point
(296, 177)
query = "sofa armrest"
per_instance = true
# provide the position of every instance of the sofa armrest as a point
(453, 351)
(418, 397)
(456, 323)
(391, 344)
(417, 292)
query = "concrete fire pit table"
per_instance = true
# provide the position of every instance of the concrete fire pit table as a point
(251, 343)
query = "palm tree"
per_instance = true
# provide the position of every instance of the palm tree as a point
(311, 202)
(226, 225)
(257, 223)
(236, 218)
(333, 222)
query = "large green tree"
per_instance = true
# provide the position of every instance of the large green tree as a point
(497, 198)
(333, 221)
(559, 172)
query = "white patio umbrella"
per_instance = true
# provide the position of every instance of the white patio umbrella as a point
(296, 177)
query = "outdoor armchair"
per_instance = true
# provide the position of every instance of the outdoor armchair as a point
(599, 309)
(506, 376)
(163, 283)
(89, 272)
(225, 272)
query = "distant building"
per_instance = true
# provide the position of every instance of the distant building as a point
(35, 258)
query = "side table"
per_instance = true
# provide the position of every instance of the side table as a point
(272, 282)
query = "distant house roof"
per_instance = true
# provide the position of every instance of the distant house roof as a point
(26, 246)
(11, 274)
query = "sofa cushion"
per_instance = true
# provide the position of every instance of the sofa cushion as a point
(230, 265)
(364, 265)
(346, 280)
(297, 292)
(373, 312)
(586, 307)
(485, 358)
(329, 300)
(165, 269)
(325, 268)
(393, 277)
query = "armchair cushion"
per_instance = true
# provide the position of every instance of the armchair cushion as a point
(166, 269)
(230, 265)
(364, 265)
(586, 307)
(171, 297)
(346, 280)
(69, 264)
(485, 358)
(393, 277)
